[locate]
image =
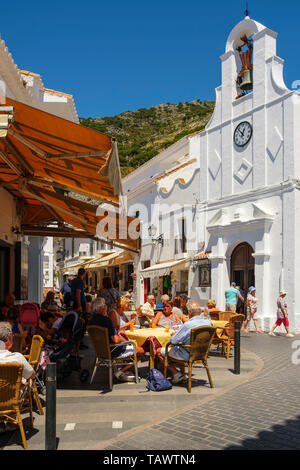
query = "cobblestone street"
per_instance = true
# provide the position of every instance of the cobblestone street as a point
(257, 410)
(260, 414)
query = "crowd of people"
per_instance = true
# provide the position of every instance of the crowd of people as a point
(109, 309)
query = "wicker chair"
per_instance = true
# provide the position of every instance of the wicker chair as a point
(225, 316)
(10, 386)
(228, 337)
(201, 339)
(102, 348)
(214, 315)
(18, 342)
(33, 358)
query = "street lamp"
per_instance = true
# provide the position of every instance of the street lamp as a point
(152, 231)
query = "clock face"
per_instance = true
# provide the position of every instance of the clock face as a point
(243, 134)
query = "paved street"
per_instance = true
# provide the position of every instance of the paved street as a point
(257, 410)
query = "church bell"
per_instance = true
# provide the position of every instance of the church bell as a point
(247, 83)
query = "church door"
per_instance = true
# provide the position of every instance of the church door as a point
(242, 267)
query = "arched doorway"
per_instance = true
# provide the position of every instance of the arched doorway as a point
(242, 266)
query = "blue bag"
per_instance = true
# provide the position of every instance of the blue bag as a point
(156, 382)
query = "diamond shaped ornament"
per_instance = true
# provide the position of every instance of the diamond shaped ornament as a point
(275, 143)
(215, 163)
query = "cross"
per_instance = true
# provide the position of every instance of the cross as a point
(247, 12)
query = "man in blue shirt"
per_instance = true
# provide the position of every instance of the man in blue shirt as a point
(231, 297)
(183, 336)
(65, 292)
(77, 288)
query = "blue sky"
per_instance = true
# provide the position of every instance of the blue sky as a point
(124, 55)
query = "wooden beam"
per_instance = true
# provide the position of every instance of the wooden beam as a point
(25, 190)
(41, 183)
(16, 154)
(28, 144)
(11, 165)
(65, 156)
(52, 232)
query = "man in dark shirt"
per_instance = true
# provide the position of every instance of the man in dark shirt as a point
(77, 288)
(100, 318)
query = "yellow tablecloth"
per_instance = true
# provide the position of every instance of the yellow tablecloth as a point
(140, 336)
(220, 325)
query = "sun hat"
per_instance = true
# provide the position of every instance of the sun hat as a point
(283, 292)
(251, 289)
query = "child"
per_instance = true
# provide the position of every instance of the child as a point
(282, 316)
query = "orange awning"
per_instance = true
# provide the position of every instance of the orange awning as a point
(43, 156)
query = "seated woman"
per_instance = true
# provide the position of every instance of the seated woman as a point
(212, 306)
(13, 317)
(49, 303)
(118, 317)
(177, 309)
(168, 319)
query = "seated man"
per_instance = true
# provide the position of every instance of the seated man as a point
(183, 336)
(100, 318)
(147, 309)
(6, 342)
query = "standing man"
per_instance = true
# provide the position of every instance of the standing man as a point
(65, 292)
(231, 297)
(77, 288)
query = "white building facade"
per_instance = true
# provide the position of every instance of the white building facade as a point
(249, 179)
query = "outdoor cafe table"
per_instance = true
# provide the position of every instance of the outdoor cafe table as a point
(141, 336)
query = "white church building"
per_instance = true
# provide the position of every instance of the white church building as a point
(249, 161)
(241, 181)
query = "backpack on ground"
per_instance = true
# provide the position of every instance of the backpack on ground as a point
(156, 382)
(29, 314)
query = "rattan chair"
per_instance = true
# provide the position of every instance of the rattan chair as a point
(228, 336)
(225, 316)
(201, 339)
(18, 342)
(10, 386)
(214, 315)
(33, 358)
(102, 348)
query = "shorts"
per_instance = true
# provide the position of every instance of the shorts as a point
(129, 351)
(176, 353)
(230, 308)
(253, 317)
(283, 321)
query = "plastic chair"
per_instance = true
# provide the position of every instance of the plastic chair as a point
(102, 348)
(34, 358)
(10, 386)
(201, 339)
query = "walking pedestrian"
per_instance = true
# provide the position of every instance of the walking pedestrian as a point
(252, 304)
(282, 315)
(231, 296)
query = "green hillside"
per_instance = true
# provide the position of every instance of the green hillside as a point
(144, 133)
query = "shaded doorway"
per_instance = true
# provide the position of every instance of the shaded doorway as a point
(243, 269)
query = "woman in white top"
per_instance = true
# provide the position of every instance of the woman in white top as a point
(118, 316)
(252, 304)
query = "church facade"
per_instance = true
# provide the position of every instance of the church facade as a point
(249, 161)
